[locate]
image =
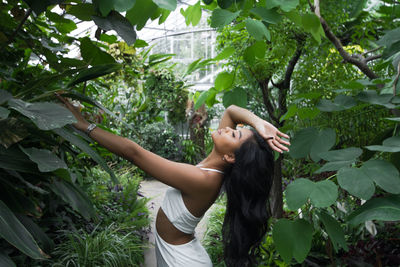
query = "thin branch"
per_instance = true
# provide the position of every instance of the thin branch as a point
(270, 108)
(368, 59)
(396, 79)
(361, 64)
(372, 50)
(27, 14)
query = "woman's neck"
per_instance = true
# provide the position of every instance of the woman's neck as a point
(213, 161)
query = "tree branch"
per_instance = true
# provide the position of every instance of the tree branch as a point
(361, 64)
(372, 50)
(27, 14)
(266, 98)
(368, 59)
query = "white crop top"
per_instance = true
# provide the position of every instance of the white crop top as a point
(176, 211)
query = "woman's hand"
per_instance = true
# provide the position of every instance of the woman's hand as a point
(272, 135)
(82, 123)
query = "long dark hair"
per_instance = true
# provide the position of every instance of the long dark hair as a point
(247, 184)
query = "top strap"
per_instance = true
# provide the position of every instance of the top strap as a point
(211, 170)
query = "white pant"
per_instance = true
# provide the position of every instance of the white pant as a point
(190, 254)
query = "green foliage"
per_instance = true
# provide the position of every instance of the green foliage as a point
(109, 247)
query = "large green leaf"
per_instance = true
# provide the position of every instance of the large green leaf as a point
(167, 4)
(372, 97)
(4, 96)
(200, 101)
(36, 232)
(237, 97)
(222, 17)
(302, 142)
(74, 196)
(341, 102)
(383, 209)
(122, 5)
(257, 29)
(141, 12)
(311, 24)
(391, 144)
(357, 8)
(390, 37)
(356, 182)
(334, 231)
(267, 15)
(62, 24)
(192, 14)
(325, 141)
(117, 22)
(5, 261)
(223, 81)
(285, 5)
(14, 159)
(324, 194)
(16, 234)
(92, 54)
(350, 153)
(298, 192)
(45, 115)
(288, 247)
(12, 131)
(384, 174)
(39, 6)
(225, 53)
(334, 166)
(311, 141)
(4, 113)
(82, 11)
(87, 149)
(94, 72)
(45, 159)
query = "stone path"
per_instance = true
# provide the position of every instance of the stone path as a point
(155, 190)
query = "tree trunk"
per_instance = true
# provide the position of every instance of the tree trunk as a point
(276, 195)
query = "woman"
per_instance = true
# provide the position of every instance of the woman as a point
(240, 160)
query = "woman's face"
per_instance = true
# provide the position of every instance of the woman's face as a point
(227, 140)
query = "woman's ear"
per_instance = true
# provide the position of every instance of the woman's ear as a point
(229, 158)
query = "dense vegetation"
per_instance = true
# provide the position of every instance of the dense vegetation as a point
(326, 73)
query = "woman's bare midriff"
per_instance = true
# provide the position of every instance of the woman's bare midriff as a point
(168, 231)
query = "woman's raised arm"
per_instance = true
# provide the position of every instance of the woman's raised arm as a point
(235, 115)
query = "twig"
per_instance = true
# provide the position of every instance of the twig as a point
(27, 14)
(372, 50)
(396, 79)
(368, 59)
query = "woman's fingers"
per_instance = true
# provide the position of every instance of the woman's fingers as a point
(279, 145)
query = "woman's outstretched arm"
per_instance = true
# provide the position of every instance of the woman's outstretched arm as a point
(234, 115)
(184, 177)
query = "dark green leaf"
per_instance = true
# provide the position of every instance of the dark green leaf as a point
(356, 182)
(4, 96)
(383, 209)
(141, 12)
(324, 141)
(123, 5)
(16, 234)
(115, 21)
(351, 153)
(14, 159)
(267, 15)
(390, 37)
(45, 159)
(93, 55)
(222, 17)
(167, 4)
(257, 29)
(225, 3)
(372, 97)
(226, 53)
(36, 232)
(285, 5)
(324, 194)
(87, 149)
(237, 97)
(82, 11)
(4, 113)
(75, 197)
(298, 192)
(384, 174)
(94, 72)
(302, 142)
(45, 115)
(13, 131)
(341, 102)
(5, 261)
(223, 81)
(200, 101)
(358, 6)
(334, 166)
(287, 246)
(334, 231)
(39, 6)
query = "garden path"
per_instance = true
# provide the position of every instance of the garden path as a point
(155, 190)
